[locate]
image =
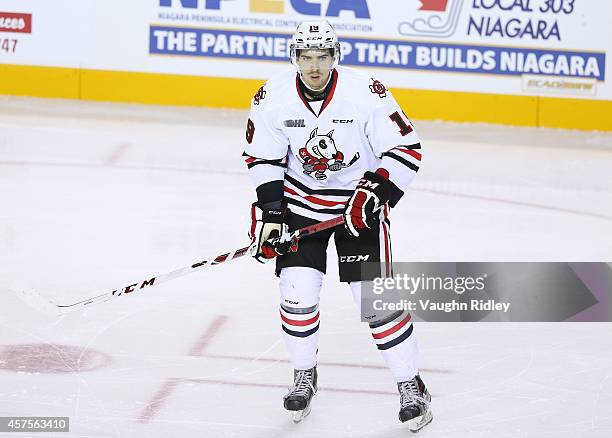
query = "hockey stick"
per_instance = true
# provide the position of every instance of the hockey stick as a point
(37, 300)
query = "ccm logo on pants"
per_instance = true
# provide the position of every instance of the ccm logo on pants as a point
(354, 258)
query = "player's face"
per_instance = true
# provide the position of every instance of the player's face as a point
(315, 66)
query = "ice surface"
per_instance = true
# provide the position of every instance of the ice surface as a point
(97, 195)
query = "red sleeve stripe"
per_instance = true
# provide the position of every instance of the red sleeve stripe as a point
(415, 154)
(299, 323)
(393, 329)
(249, 159)
(409, 164)
(314, 199)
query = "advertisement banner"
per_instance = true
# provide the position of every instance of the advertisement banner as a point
(555, 48)
(50, 34)
(523, 47)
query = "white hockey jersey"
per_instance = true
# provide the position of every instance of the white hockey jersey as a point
(322, 156)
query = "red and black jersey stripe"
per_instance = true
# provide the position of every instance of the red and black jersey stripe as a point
(322, 192)
(410, 150)
(252, 162)
(402, 160)
(327, 201)
(317, 210)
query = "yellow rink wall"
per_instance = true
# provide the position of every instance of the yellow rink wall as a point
(166, 89)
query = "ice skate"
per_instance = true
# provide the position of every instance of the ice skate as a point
(414, 404)
(300, 394)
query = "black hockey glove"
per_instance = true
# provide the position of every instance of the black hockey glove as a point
(362, 209)
(269, 233)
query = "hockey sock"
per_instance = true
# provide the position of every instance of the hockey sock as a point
(299, 311)
(394, 339)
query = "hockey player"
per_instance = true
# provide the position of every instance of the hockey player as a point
(323, 142)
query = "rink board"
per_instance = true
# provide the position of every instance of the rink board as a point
(170, 89)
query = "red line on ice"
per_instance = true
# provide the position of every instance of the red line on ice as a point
(118, 153)
(275, 385)
(331, 364)
(212, 330)
(169, 386)
(159, 399)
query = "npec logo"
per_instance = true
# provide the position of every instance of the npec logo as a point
(304, 7)
(14, 22)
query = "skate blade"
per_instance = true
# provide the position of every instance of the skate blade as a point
(418, 423)
(298, 416)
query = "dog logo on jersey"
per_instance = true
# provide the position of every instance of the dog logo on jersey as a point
(378, 88)
(321, 154)
(260, 95)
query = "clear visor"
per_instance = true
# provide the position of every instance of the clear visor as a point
(294, 48)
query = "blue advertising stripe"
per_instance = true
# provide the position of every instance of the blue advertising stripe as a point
(463, 58)
(411, 55)
(168, 40)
